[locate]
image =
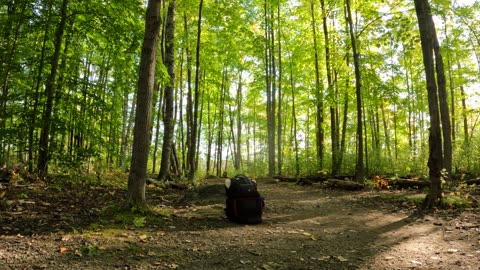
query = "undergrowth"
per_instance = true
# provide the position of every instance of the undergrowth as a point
(134, 217)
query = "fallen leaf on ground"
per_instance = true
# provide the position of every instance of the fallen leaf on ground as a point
(341, 258)
(322, 258)
(63, 249)
(266, 267)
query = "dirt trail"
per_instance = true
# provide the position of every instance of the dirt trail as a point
(303, 228)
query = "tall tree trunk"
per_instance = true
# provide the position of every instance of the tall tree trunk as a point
(451, 84)
(221, 117)
(168, 121)
(359, 168)
(141, 135)
(194, 131)
(238, 143)
(444, 111)
(33, 117)
(126, 126)
(386, 129)
(279, 110)
(43, 155)
(294, 124)
(464, 114)
(189, 99)
(333, 108)
(270, 85)
(157, 127)
(428, 37)
(318, 94)
(209, 140)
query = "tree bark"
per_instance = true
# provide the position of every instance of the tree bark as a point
(238, 142)
(359, 168)
(43, 155)
(157, 126)
(33, 117)
(333, 108)
(427, 36)
(141, 137)
(279, 110)
(270, 85)
(168, 120)
(294, 121)
(464, 116)
(196, 99)
(444, 111)
(318, 94)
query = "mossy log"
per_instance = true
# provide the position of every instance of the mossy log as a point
(409, 183)
(473, 182)
(205, 192)
(344, 184)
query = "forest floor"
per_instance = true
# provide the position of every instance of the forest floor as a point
(65, 226)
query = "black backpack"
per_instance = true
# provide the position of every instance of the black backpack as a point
(243, 204)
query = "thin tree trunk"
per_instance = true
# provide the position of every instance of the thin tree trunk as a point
(168, 121)
(279, 110)
(444, 111)
(318, 94)
(221, 117)
(359, 168)
(451, 86)
(333, 109)
(270, 86)
(189, 116)
(386, 130)
(209, 140)
(196, 100)
(43, 155)
(157, 127)
(294, 118)
(464, 115)
(126, 126)
(33, 118)
(238, 158)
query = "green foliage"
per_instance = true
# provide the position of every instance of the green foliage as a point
(456, 200)
(23, 196)
(89, 250)
(98, 71)
(134, 217)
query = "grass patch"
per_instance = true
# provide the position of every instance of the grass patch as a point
(89, 250)
(134, 217)
(457, 201)
(452, 200)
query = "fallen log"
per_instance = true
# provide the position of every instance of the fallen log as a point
(344, 184)
(302, 180)
(408, 183)
(167, 184)
(206, 192)
(473, 182)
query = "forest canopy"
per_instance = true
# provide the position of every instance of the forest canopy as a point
(275, 94)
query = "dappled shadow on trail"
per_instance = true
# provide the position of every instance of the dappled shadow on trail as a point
(36, 209)
(303, 228)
